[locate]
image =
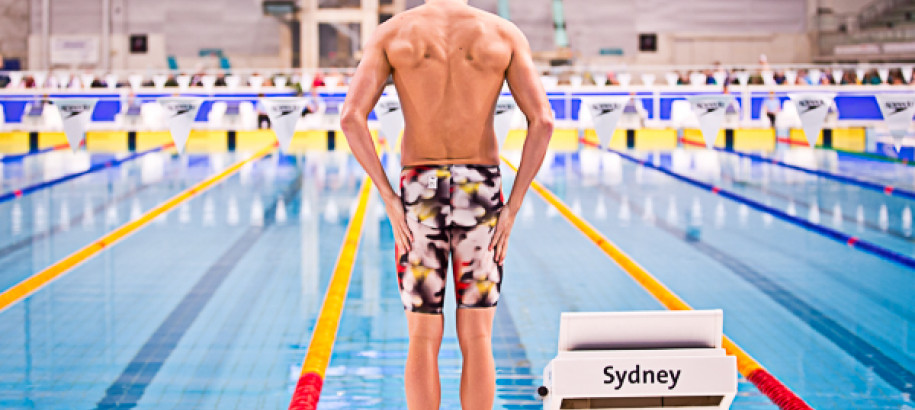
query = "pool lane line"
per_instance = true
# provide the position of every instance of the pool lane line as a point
(889, 190)
(28, 240)
(18, 157)
(874, 157)
(774, 389)
(862, 155)
(851, 241)
(127, 390)
(311, 379)
(38, 280)
(17, 193)
(895, 374)
(846, 218)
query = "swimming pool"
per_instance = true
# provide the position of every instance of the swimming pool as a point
(213, 305)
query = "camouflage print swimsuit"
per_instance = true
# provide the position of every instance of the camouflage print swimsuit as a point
(451, 210)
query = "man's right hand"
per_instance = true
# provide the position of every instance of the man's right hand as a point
(403, 238)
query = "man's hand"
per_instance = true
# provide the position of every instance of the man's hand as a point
(403, 238)
(500, 238)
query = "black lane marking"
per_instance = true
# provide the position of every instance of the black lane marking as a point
(867, 354)
(511, 360)
(127, 390)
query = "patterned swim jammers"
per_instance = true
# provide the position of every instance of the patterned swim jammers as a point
(450, 210)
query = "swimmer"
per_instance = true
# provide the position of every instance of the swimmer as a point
(448, 61)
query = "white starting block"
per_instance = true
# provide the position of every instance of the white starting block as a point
(640, 360)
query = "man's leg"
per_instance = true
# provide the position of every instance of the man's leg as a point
(478, 375)
(421, 378)
(421, 278)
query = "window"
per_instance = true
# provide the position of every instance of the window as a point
(337, 4)
(138, 44)
(648, 42)
(339, 44)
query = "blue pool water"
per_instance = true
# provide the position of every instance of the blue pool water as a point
(212, 305)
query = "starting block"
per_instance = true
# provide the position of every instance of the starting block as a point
(640, 360)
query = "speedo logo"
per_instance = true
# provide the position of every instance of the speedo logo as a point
(709, 106)
(284, 110)
(180, 108)
(896, 107)
(503, 108)
(810, 105)
(73, 110)
(618, 378)
(389, 107)
(605, 108)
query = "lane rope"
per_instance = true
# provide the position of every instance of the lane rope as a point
(17, 193)
(35, 282)
(19, 157)
(775, 390)
(838, 236)
(886, 189)
(311, 379)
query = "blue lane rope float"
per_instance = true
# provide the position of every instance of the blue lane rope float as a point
(16, 193)
(19, 157)
(851, 241)
(886, 189)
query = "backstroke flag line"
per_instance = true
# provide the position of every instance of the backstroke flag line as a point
(390, 116)
(605, 112)
(75, 114)
(710, 110)
(179, 117)
(284, 113)
(897, 112)
(502, 117)
(812, 108)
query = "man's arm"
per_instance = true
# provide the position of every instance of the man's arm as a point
(364, 90)
(527, 90)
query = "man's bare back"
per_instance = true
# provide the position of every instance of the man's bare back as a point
(448, 62)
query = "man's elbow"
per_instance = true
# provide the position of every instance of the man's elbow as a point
(543, 124)
(350, 118)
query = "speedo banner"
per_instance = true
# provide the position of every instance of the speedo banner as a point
(179, 117)
(390, 116)
(75, 114)
(502, 117)
(897, 112)
(710, 110)
(284, 113)
(605, 112)
(812, 109)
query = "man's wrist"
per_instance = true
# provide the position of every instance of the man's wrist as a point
(513, 206)
(389, 196)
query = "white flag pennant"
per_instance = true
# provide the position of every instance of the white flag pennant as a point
(812, 109)
(710, 110)
(390, 115)
(884, 73)
(605, 112)
(180, 113)
(743, 78)
(897, 110)
(502, 117)
(75, 114)
(284, 113)
(837, 75)
(907, 74)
